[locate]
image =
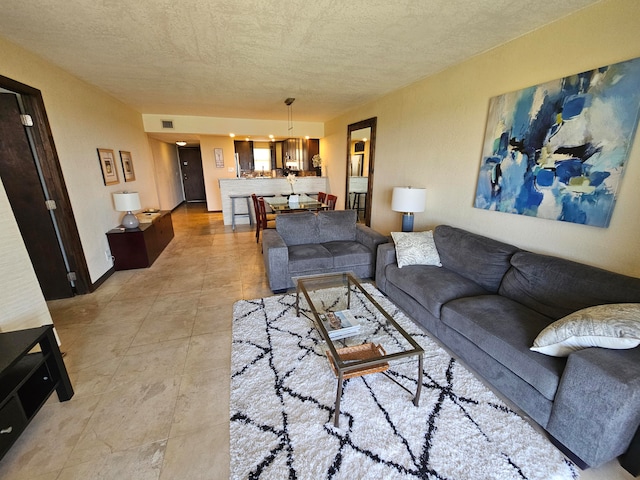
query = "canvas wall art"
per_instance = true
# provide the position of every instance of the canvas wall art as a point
(558, 150)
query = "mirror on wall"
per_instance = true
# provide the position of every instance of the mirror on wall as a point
(361, 140)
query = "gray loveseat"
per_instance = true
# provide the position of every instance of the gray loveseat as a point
(488, 302)
(309, 244)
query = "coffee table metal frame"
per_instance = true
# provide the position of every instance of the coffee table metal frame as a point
(350, 280)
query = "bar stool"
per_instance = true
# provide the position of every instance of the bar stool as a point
(356, 205)
(241, 214)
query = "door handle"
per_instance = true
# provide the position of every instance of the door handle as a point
(6, 430)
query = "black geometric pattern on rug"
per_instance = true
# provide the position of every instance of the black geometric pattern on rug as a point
(293, 436)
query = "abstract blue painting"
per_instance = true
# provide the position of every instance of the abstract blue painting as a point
(558, 150)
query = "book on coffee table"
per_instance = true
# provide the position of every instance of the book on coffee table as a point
(341, 324)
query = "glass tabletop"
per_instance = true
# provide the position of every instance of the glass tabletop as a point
(349, 319)
(284, 204)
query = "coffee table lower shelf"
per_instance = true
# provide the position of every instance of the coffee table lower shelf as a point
(359, 352)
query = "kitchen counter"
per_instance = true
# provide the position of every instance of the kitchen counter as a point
(263, 187)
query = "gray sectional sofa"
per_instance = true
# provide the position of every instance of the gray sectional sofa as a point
(489, 301)
(309, 244)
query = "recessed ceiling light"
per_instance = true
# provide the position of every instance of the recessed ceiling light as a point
(271, 137)
(181, 143)
(232, 135)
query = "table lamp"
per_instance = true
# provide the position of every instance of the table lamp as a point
(409, 201)
(127, 202)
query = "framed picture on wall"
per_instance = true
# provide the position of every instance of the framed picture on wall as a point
(127, 166)
(108, 166)
(217, 153)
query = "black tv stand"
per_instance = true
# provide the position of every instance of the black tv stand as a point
(27, 380)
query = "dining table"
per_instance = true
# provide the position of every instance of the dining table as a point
(294, 203)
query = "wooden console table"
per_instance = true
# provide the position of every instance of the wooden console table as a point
(139, 247)
(27, 380)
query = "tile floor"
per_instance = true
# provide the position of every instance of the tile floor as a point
(149, 356)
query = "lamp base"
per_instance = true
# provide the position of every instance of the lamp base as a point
(407, 222)
(130, 220)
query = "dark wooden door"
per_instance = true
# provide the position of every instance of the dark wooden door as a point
(192, 175)
(24, 189)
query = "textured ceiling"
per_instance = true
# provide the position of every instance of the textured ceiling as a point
(242, 58)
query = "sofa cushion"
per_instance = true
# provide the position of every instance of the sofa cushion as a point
(336, 225)
(308, 258)
(298, 228)
(475, 257)
(615, 326)
(505, 330)
(346, 253)
(557, 287)
(415, 248)
(431, 286)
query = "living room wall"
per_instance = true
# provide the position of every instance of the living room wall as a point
(23, 305)
(167, 170)
(82, 119)
(430, 134)
(208, 143)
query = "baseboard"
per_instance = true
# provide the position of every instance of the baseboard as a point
(94, 286)
(178, 205)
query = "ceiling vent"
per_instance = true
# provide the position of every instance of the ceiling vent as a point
(167, 123)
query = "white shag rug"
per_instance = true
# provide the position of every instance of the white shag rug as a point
(282, 405)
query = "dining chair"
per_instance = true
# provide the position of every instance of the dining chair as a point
(331, 201)
(322, 197)
(263, 221)
(256, 209)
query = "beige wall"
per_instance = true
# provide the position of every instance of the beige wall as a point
(217, 126)
(430, 134)
(21, 302)
(82, 119)
(167, 174)
(211, 173)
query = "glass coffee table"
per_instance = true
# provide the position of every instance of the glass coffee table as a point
(360, 336)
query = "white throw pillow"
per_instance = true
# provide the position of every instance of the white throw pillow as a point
(415, 248)
(614, 326)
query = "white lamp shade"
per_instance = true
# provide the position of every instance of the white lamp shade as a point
(408, 199)
(126, 201)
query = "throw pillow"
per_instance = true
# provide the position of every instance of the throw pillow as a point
(614, 326)
(415, 248)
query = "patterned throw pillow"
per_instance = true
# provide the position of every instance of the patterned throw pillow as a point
(415, 248)
(614, 326)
